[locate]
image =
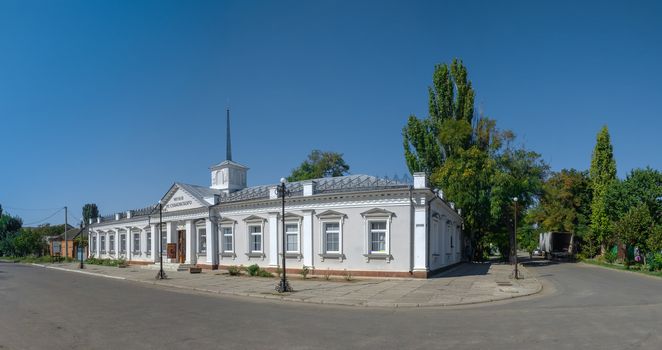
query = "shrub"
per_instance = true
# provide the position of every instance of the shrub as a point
(253, 270)
(305, 271)
(610, 257)
(234, 270)
(654, 261)
(327, 274)
(264, 273)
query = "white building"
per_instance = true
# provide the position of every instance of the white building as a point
(357, 223)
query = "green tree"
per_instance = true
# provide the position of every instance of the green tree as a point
(90, 211)
(318, 165)
(428, 142)
(636, 227)
(520, 174)
(602, 175)
(640, 186)
(9, 229)
(565, 204)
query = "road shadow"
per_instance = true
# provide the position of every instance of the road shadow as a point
(465, 269)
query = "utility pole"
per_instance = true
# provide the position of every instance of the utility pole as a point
(66, 243)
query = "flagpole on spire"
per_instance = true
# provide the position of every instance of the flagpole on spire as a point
(228, 145)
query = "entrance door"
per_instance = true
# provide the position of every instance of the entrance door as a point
(181, 246)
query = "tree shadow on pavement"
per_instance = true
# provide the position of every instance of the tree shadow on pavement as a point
(465, 269)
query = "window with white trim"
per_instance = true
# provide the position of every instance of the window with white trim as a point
(164, 240)
(202, 239)
(136, 243)
(227, 239)
(102, 241)
(255, 238)
(148, 249)
(111, 243)
(94, 244)
(122, 243)
(377, 236)
(292, 237)
(331, 236)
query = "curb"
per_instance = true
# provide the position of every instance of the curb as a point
(313, 300)
(78, 271)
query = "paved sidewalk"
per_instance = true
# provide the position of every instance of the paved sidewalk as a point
(464, 284)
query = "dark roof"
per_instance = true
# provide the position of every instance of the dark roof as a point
(72, 233)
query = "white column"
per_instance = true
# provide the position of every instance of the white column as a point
(143, 243)
(273, 239)
(98, 245)
(128, 243)
(307, 238)
(191, 246)
(156, 238)
(212, 243)
(171, 237)
(117, 242)
(420, 233)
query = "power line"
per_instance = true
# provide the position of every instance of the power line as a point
(27, 209)
(42, 220)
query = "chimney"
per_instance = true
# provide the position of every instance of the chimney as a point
(420, 180)
(309, 188)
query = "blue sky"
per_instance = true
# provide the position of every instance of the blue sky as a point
(112, 101)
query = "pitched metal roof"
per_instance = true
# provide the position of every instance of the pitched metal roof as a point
(349, 183)
(199, 192)
(339, 184)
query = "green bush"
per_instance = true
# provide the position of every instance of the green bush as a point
(610, 257)
(253, 270)
(654, 261)
(234, 270)
(264, 273)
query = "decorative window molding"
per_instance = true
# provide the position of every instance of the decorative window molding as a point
(135, 234)
(201, 237)
(377, 223)
(255, 238)
(292, 237)
(227, 241)
(148, 248)
(254, 218)
(102, 243)
(111, 243)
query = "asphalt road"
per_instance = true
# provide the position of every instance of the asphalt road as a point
(581, 307)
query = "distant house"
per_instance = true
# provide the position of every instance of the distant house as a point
(57, 245)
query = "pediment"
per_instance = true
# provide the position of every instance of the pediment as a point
(178, 199)
(292, 216)
(377, 212)
(331, 214)
(227, 220)
(254, 218)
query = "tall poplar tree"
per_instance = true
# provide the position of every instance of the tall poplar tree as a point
(428, 142)
(602, 175)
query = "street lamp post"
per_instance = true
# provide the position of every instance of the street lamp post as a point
(80, 246)
(161, 275)
(514, 242)
(283, 286)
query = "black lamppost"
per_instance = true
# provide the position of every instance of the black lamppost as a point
(283, 286)
(514, 242)
(80, 245)
(161, 275)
